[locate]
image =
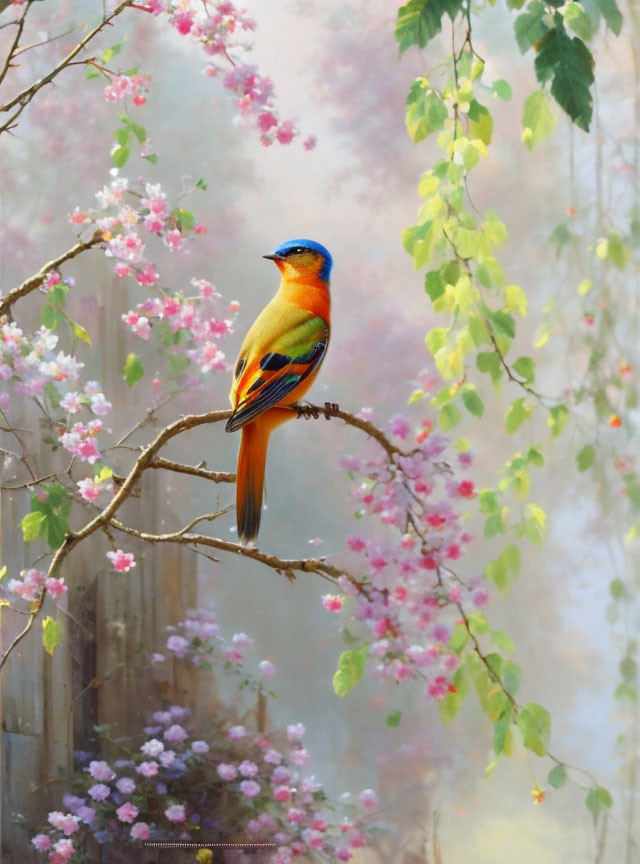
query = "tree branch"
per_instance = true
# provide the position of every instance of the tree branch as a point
(146, 460)
(23, 98)
(194, 470)
(36, 281)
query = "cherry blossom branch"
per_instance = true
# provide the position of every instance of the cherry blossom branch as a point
(283, 565)
(146, 460)
(23, 98)
(36, 281)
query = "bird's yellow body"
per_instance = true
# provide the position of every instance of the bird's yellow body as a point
(278, 361)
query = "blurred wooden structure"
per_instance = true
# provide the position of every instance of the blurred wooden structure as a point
(100, 673)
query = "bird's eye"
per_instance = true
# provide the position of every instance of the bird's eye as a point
(299, 250)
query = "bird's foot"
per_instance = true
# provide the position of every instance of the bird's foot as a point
(331, 409)
(306, 410)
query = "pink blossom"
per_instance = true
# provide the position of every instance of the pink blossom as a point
(282, 793)
(267, 669)
(368, 798)
(41, 842)
(200, 747)
(148, 769)
(343, 854)
(55, 586)
(122, 561)
(89, 489)
(63, 850)
(332, 602)
(236, 733)
(127, 812)
(140, 831)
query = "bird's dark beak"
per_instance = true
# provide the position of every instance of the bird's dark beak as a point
(273, 257)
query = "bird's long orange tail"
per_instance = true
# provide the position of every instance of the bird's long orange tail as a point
(250, 478)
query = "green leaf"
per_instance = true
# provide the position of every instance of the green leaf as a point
(90, 72)
(617, 589)
(433, 284)
(529, 27)
(480, 122)
(538, 120)
(151, 157)
(516, 414)
(577, 20)
(133, 369)
(489, 362)
(558, 419)
(178, 363)
(500, 729)
(426, 112)
(110, 53)
(593, 804)
(586, 457)
(394, 718)
(120, 156)
(503, 641)
(604, 796)
(525, 367)
(201, 184)
(32, 526)
(449, 416)
(122, 136)
(79, 332)
(502, 89)
(472, 402)
(350, 670)
(611, 14)
(420, 20)
(534, 723)
(503, 322)
(557, 777)
(49, 317)
(569, 64)
(494, 525)
(449, 706)
(50, 634)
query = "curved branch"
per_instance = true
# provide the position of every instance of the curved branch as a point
(36, 281)
(146, 460)
(23, 98)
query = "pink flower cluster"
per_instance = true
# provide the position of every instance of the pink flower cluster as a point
(121, 223)
(203, 319)
(147, 795)
(31, 363)
(32, 582)
(217, 28)
(406, 597)
(132, 87)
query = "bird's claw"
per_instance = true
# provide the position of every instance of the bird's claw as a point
(331, 409)
(306, 411)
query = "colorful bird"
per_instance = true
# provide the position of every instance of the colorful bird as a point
(278, 361)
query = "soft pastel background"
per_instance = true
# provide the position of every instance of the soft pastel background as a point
(337, 71)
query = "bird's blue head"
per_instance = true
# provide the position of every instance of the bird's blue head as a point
(305, 257)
